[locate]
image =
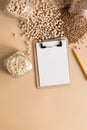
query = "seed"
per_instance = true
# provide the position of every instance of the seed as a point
(74, 27)
(14, 34)
(48, 21)
(36, 26)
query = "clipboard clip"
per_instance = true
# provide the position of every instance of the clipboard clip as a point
(58, 45)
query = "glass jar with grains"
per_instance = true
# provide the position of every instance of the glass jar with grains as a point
(79, 7)
(18, 8)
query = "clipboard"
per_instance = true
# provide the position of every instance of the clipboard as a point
(51, 62)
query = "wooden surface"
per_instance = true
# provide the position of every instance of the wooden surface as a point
(24, 107)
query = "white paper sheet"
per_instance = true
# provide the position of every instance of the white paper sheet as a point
(53, 65)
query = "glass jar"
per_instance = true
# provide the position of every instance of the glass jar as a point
(79, 7)
(18, 8)
(18, 64)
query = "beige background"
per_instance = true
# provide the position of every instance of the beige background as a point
(24, 107)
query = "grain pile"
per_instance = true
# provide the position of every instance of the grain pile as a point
(47, 21)
(44, 23)
(75, 26)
